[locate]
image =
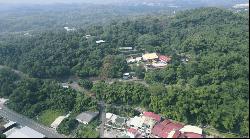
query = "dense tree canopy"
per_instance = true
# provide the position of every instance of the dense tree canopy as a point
(211, 88)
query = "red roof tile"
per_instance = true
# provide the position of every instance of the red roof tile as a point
(153, 115)
(164, 128)
(172, 126)
(165, 58)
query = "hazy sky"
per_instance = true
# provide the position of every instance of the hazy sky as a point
(56, 1)
(105, 1)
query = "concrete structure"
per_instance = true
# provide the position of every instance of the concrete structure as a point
(86, 117)
(24, 132)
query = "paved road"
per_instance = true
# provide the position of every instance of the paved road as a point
(24, 121)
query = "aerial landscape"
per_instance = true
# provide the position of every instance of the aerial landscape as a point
(124, 69)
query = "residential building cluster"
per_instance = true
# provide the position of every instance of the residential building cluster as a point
(151, 60)
(148, 125)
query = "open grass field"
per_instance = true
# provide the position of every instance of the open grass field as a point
(49, 116)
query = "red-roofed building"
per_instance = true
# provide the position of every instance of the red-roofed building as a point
(164, 58)
(164, 128)
(153, 116)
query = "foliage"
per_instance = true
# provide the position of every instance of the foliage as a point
(210, 89)
(47, 117)
(86, 83)
(67, 126)
(88, 131)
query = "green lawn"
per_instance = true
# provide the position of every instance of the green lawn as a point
(48, 116)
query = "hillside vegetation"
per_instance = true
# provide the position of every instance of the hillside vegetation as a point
(211, 89)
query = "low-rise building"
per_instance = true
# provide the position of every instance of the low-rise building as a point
(86, 117)
(191, 129)
(166, 129)
(24, 132)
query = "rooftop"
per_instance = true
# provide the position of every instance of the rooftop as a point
(191, 129)
(57, 122)
(86, 117)
(25, 132)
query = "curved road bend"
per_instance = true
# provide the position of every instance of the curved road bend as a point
(24, 121)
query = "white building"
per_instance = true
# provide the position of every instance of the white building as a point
(24, 132)
(87, 36)
(69, 29)
(192, 129)
(138, 59)
(100, 41)
(57, 122)
(135, 122)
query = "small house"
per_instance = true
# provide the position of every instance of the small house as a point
(126, 76)
(86, 117)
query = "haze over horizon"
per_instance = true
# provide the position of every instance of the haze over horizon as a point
(112, 1)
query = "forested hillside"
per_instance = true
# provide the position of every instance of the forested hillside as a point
(211, 89)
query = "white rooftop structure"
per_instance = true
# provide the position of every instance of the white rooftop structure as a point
(135, 122)
(138, 59)
(193, 129)
(126, 48)
(57, 122)
(69, 29)
(130, 60)
(87, 36)
(100, 41)
(126, 74)
(109, 115)
(25, 132)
